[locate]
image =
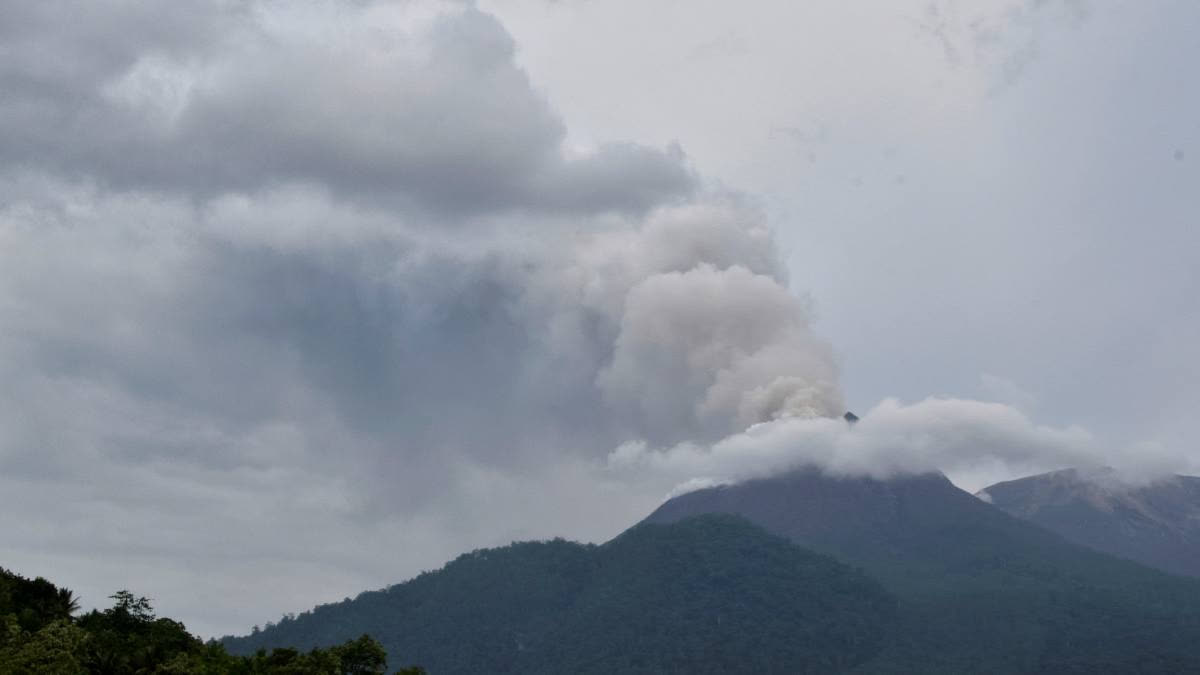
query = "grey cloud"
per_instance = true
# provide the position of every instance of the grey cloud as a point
(418, 346)
(214, 265)
(1004, 390)
(65, 49)
(629, 176)
(438, 117)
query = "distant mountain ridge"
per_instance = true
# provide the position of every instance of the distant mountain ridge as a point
(979, 590)
(1156, 524)
(711, 594)
(847, 517)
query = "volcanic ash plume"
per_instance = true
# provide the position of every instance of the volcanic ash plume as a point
(702, 337)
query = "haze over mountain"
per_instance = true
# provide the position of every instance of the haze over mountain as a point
(1156, 523)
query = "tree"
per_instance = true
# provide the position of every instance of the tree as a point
(363, 656)
(38, 635)
(67, 601)
(128, 638)
(130, 608)
(59, 648)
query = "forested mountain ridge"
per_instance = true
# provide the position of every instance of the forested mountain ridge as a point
(978, 590)
(708, 594)
(1156, 524)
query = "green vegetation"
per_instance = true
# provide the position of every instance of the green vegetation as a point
(709, 594)
(989, 599)
(978, 590)
(39, 635)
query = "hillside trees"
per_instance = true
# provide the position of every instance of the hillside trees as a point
(39, 635)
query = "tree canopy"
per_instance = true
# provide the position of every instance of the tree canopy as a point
(710, 594)
(39, 634)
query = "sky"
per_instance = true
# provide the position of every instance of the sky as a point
(301, 299)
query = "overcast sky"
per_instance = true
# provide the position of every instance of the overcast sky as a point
(300, 299)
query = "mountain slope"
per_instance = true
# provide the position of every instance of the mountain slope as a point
(979, 590)
(1156, 524)
(707, 594)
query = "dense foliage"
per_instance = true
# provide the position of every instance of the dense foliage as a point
(710, 594)
(978, 590)
(39, 635)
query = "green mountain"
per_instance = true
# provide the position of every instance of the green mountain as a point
(1156, 524)
(978, 590)
(706, 594)
(907, 575)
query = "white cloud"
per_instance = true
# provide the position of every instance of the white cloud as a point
(973, 442)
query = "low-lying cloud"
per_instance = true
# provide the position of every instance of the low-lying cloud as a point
(974, 442)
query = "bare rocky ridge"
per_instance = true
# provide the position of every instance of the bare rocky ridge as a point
(1156, 524)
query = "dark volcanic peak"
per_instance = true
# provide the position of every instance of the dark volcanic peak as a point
(1156, 524)
(809, 505)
